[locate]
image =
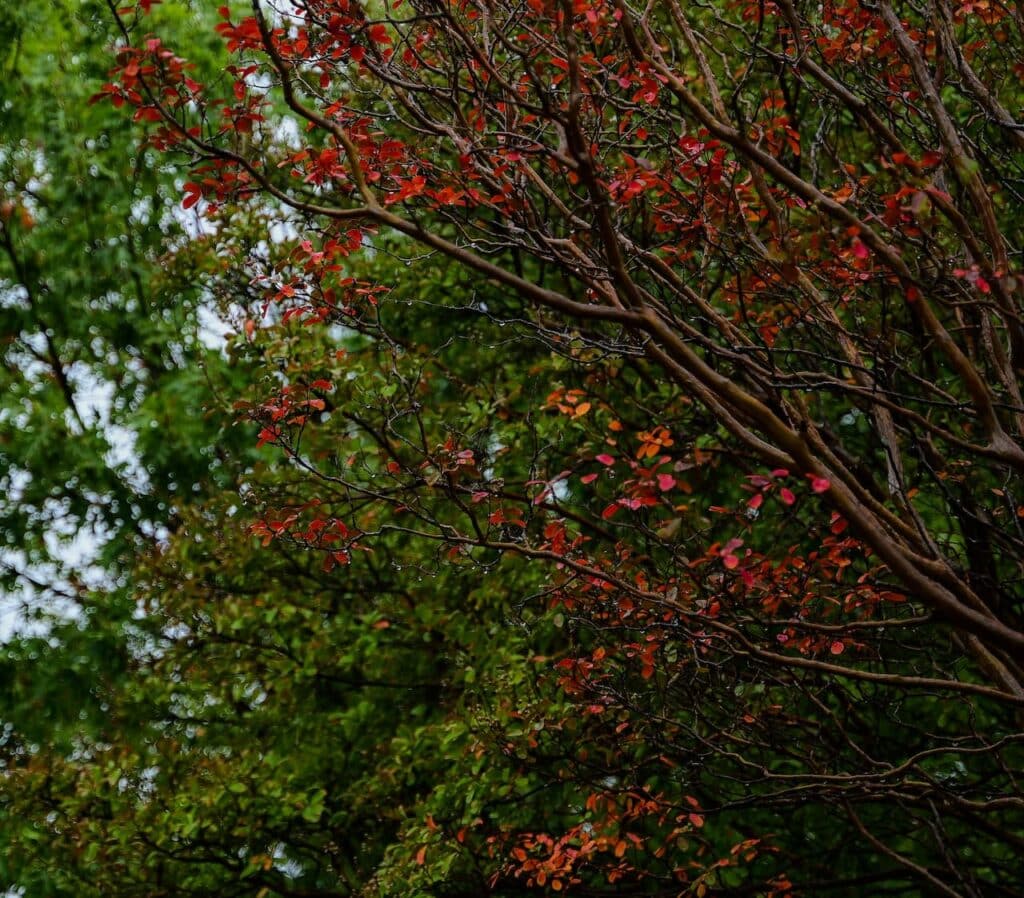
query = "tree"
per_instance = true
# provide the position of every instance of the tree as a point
(588, 102)
(286, 729)
(107, 424)
(773, 494)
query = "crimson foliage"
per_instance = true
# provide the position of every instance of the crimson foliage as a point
(735, 288)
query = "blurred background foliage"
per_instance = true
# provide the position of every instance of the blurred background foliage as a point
(188, 712)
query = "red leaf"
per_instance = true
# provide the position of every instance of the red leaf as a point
(267, 435)
(606, 459)
(193, 194)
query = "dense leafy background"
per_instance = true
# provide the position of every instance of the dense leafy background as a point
(299, 614)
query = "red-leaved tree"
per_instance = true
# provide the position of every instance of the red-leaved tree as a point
(775, 247)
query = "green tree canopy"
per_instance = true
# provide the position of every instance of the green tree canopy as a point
(609, 482)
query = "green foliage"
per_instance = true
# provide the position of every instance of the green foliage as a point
(418, 584)
(103, 368)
